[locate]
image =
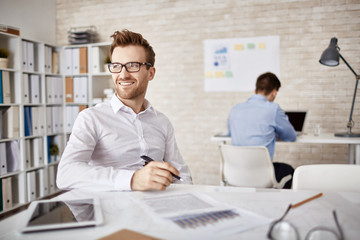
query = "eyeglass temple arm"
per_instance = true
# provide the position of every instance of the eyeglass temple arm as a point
(338, 225)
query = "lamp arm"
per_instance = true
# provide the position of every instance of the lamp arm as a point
(357, 76)
(350, 123)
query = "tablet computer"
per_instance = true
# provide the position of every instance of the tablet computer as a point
(44, 215)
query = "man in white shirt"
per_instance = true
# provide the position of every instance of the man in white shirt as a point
(107, 141)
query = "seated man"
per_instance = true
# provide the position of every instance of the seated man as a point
(107, 141)
(260, 121)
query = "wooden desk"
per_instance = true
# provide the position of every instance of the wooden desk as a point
(326, 138)
(121, 212)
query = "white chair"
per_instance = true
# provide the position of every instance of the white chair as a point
(248, 166)
(327, 177)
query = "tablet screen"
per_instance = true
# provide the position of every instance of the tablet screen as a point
(56, 214)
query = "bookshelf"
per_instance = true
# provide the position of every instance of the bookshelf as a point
(28, 135)
(43, 88)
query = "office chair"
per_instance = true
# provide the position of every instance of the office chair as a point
(327, 177)
(248, 166)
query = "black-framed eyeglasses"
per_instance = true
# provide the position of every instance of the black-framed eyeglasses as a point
(281, 229)
(130, 67)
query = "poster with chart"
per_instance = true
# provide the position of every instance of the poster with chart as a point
(233, 64)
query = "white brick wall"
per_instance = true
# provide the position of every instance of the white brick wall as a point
(176, 29)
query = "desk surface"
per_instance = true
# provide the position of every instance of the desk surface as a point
(326, 138)
(121, 212)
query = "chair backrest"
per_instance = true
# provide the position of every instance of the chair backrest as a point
(246, 166)
(327, 177)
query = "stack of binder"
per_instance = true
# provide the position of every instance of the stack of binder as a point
(82, 35)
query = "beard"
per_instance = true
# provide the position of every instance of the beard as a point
(132, 91)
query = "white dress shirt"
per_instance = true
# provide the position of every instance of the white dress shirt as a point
(106, 143)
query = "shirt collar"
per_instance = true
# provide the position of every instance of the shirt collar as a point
(258, 97)
(117, 105)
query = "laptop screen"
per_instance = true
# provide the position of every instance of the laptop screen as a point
(297, 119)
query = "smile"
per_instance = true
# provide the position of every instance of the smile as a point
(126, 83)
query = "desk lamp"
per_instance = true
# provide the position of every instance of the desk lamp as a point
(330, 57)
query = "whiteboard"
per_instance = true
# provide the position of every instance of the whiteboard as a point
(233, 64)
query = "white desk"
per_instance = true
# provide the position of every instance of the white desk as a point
(121, 212)
(326, 138)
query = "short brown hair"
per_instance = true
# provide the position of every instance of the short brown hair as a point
(126, 38)
(267, 82)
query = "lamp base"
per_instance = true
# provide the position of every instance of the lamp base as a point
(345, 134)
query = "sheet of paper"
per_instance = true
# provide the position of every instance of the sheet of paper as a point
(196, 214)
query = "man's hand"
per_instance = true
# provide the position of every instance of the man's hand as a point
(154, 175)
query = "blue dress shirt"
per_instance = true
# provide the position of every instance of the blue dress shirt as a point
(258, 122)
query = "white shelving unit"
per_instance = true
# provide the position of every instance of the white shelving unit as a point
(38, 82)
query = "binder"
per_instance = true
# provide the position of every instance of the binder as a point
(75, 61)
(41, 120)
(57, 89)
(55, 119)
(27, 154)
(83, 60)
(30, 56)
(49, 89)
(11, 122)
(46, 60)
(83, 89)
(31, 185)
(95, 60)
(6, 90)
(69, 90)
(69, 119)
(77, 89)
(34, 88)
(3, 162)
(41, 179)
(37, 152)
(68, 61)
(9, 200)
(1, 88)
(52, 176)
(55, 63)
(25, 56)
(13, 156)
(49, 59)
(28, 122)
(4, 193)
(1, 198)
(26, 89)
(49, 124)
(35, 121)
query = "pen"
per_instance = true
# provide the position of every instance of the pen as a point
(149, 159)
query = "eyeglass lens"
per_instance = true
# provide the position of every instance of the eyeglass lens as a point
(285, 231)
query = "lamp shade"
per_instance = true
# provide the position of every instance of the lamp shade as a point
(330, 57)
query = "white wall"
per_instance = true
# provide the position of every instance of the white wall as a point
(36, 19)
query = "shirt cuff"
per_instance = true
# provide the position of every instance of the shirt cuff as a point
(123, 180)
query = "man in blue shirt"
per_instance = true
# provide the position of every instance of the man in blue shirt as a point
(260, 121)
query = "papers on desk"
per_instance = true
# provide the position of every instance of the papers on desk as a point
(195, 214)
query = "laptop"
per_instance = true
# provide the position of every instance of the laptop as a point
(297, 119)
